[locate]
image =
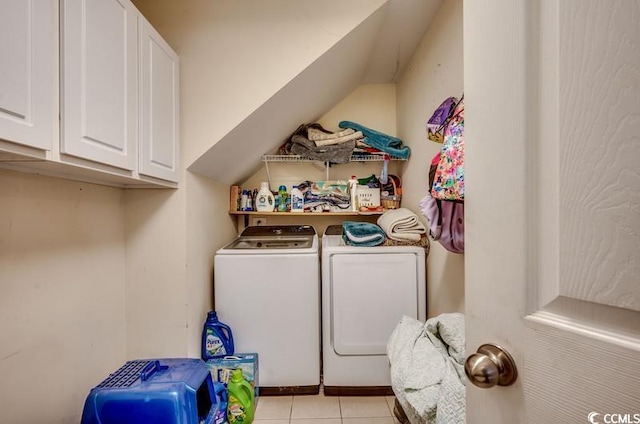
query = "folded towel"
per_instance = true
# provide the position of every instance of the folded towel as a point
(357, 135)
(316, 134)
(402, 224)
(363, 234)
(386, 143)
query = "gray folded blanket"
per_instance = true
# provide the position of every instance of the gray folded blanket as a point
(300, 144)
(363, 234)
(334, 153)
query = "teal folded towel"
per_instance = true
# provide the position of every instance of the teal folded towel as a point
(383, 142)
(363, 234)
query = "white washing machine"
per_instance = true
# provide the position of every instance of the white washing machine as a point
(267, 289)
(365, 293)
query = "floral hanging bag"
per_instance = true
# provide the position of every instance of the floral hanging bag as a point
(448, 183)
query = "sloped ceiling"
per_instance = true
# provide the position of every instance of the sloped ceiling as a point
(322, 84)
(375, 50)
(404, 25)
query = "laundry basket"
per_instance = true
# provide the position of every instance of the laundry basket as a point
(391, 193)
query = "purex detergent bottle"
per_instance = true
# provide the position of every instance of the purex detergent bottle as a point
(217, 339)
(241, 397)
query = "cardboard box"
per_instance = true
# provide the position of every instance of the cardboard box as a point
(234, 194)
(221, 368)
(368, 197)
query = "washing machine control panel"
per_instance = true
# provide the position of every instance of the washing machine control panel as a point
(279, 230)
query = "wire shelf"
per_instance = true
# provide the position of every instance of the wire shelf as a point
(298, 158)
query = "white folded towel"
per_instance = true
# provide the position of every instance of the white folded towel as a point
(323, 139)
(402, 225)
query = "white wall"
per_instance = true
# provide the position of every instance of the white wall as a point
(62, 295)
(434, 73)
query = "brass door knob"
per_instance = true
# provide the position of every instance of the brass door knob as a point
(491, 365)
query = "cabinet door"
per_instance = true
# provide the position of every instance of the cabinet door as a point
(159, 111)
(27, 74)
(99, 81)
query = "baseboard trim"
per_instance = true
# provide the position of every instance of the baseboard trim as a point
(358, 391)
(288, 390)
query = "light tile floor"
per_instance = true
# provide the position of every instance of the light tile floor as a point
(320, 409)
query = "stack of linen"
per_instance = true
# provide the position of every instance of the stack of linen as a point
(396, 227)
(315, 142)
(325, 196)
(402, 225)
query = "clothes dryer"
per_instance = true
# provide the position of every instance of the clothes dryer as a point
(365, 293)
(267, 289)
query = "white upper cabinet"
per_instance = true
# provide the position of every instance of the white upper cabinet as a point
(28, 42)
(88, 92)
(99, 81)
(159, 111)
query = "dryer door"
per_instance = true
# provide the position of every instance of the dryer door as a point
(369, 295)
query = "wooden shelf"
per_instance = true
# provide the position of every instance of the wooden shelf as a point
(246, 215)
(346, 213)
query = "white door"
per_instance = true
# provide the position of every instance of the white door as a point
(552, 261)
(100, 81)
(27, 72)
(159, 129)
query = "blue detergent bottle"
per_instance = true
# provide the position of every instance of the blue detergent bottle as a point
(220, 391)
(217, 339)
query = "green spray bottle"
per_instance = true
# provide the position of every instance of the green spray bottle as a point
(240, 407)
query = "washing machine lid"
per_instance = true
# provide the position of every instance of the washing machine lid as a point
(275, 238)
(279, 231)
(271, 243)
(333, 230)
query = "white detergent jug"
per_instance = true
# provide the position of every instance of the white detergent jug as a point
(265, 201)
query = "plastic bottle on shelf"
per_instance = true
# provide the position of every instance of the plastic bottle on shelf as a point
(217, 339)
(282, 194)
(244, 201)
(264, 199)
(254, 198)
(297, 200)
(353, 187)
(240, 406)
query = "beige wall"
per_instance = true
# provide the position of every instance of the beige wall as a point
(434, 73)
(62, 295)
